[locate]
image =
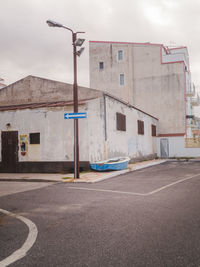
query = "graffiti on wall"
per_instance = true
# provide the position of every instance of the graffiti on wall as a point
(23, 141)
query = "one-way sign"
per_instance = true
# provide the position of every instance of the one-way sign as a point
(80, 115)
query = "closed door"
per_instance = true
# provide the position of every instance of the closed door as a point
(164, 148)
(9, 144)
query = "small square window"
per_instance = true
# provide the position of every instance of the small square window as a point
(34, 138)
(120, 55)
(121, 79)
(101, 65)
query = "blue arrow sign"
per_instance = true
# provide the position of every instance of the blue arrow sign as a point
(80, 115)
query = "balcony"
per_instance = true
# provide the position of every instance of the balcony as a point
(190, 91)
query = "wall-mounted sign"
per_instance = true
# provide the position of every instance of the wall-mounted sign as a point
(79, 115)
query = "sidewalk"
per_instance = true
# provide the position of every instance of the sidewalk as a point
(85, 177)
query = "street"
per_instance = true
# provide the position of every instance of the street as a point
(149, 217)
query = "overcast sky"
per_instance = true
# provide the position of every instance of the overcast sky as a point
(29, 47)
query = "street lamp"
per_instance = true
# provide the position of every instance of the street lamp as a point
(75, 42)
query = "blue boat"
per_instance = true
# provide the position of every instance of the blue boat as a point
(114, 164)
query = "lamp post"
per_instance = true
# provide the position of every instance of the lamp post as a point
(75, 42)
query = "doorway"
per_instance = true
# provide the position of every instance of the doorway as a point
(164, 148)
(9, 152)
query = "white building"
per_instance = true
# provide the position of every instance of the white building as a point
(155, 79)
(36, 138)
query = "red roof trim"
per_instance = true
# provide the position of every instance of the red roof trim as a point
(147, 43)
(178, 47)
(171, 135)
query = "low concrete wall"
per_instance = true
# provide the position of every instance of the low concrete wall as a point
(177, 147)
(45, 167)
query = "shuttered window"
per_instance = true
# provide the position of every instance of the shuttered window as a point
(121, 122)
(153, 130)
(140, 127)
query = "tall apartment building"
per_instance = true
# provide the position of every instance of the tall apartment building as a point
(153, 78)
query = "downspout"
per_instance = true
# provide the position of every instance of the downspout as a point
(185, 99)
(105, 117)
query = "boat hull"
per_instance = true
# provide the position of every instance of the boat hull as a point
(112, 166)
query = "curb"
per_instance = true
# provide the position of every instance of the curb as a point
(27, 180)
(126, 171)
(83, 180)
(149, 165)
(109, 176)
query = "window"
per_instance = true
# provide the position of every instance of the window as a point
(153, 130)
(121, 122)
(101, 65)
(34, 138)
(121, 79)
(140, 127)
(120, 55)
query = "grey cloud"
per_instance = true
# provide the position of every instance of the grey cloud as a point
(29, 46)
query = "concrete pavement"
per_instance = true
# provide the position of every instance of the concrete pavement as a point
(85, 177)
(112, 223)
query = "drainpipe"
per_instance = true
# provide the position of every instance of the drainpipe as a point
(105, 119)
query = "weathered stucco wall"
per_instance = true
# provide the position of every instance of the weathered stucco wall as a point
(38, 90)
(98, 136)
(176, 147)
(95, 124)
(159, 89)
(56, 134)
(128, 143)
(156, 88)
(108, 78)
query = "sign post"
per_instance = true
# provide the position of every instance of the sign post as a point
(76, 116)
(75, 42)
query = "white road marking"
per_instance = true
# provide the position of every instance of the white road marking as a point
(106, 190)
(177, 182)
(8, 188)
(133, 193)
(32, 236)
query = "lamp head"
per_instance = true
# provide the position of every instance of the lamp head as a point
(79, 42)
(52, 23)
(80, 51)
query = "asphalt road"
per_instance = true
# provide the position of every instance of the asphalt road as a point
(149, 217)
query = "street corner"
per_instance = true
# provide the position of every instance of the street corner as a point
(68, 179)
